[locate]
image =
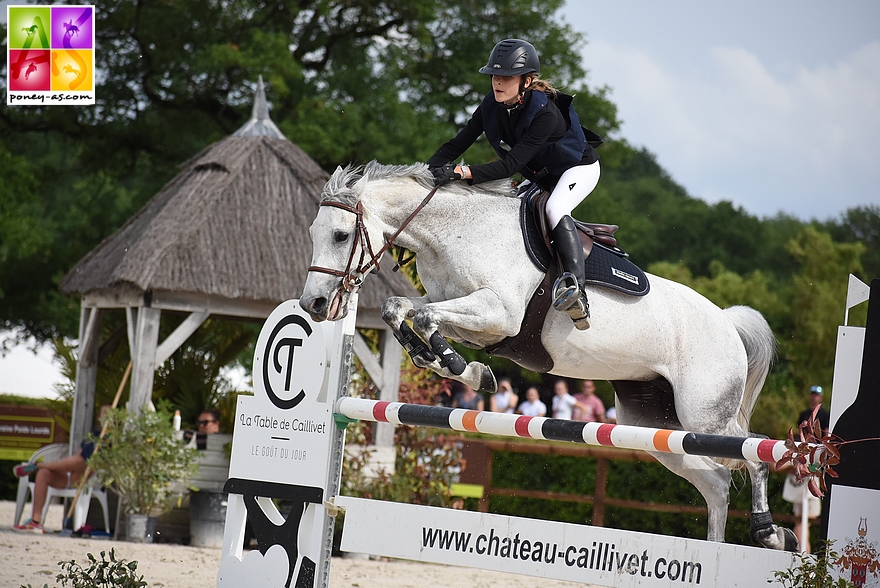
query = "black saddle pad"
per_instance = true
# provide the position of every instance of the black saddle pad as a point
(605, 266)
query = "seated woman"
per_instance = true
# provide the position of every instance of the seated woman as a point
(61, 473)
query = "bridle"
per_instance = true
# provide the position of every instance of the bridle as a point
(353, 275)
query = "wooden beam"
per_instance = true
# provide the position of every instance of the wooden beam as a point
(216, 305)
(115, 298)
(177, 338)
(86, 375)
(368, 359)
(389, 387)
(131, 328)
(144, 358)
(369, 318)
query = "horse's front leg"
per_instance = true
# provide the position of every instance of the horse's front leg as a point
(480, 312)
(395, 311)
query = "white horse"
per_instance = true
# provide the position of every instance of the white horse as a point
(677, 360)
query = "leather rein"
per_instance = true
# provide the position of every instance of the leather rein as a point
(353, 275)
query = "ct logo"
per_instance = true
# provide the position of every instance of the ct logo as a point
(294, 358)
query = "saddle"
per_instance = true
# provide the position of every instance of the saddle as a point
(606, 265)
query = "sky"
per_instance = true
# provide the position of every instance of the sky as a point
(773, 105)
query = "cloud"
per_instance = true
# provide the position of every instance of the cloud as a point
(726, 127)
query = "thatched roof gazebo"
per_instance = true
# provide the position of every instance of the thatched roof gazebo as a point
(227, 236)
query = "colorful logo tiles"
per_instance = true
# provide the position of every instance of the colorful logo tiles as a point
(50, 55)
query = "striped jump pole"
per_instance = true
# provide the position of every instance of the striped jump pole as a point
(599, 434)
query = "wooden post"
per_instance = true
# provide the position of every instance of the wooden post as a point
(86, 375)
(384, 370)
(389, 387)
(599, 494)
(146, 341)
(477, 468)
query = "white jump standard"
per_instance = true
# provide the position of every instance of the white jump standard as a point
(599, 434)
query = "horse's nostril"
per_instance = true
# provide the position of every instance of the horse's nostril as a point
(319, 304)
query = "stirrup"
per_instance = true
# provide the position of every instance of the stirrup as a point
(569, 298)
(565, 292)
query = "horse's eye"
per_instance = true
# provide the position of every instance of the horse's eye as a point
(340, 236)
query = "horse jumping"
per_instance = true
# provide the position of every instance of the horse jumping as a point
(676, 360)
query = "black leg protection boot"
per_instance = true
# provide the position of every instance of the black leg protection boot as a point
(568, 291)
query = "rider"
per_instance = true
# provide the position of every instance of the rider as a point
(547, 145)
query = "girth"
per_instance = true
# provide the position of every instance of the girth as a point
(526, 348)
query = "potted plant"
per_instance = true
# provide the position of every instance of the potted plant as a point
(144, 460)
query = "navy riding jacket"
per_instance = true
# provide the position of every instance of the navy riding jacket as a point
(544, 141)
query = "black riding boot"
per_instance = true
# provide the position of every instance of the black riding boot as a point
(568, 291)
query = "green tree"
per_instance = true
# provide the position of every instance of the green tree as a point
(818, 295)
(860, 224)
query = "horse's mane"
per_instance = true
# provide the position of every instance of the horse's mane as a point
(339, 186)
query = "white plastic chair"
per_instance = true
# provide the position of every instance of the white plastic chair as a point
(91, 490)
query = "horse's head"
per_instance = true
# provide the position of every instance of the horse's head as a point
(337, 245)
(347, 241)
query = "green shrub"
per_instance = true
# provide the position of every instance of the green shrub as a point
(107, 573)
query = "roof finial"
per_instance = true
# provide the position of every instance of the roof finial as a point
(260, 125)
(261, 107)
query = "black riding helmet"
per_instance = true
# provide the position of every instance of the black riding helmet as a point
(512, 57)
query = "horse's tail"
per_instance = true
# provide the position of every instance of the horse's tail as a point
(760, 344)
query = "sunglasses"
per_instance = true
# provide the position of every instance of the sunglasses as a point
(205, 423)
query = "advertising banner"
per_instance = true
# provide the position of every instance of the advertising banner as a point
(548, 549)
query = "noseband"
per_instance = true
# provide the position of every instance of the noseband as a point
(353, 275)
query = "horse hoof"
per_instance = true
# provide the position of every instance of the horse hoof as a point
(487, 381)
(790, 540)
(775, 537)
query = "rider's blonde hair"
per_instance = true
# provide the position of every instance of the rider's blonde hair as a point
(542, 86)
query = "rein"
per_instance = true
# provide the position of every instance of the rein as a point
(352, 277)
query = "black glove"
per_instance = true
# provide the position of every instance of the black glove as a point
(443, 174)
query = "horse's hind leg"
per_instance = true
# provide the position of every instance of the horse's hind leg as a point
(763, 530)
(711, 479)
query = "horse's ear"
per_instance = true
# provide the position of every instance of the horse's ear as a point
(358, 187)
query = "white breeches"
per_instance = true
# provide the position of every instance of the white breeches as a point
(573, 187)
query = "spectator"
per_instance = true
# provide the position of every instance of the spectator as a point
(563, 402)
(505, 400)
(208, 423)
(61, 473)
(533, 405)
(821, 415)
(611, 415)
(468, 398)
(593, 410)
